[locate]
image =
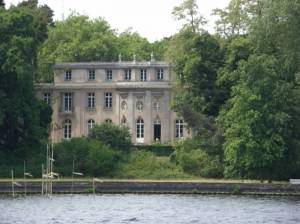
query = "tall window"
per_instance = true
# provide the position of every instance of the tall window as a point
(67, 102)
(143, 75)
(91, 100)
(108, 100)
(92, 75)
(90, 125)
(67, 129)
(108, 74)
(68, 75)
(160, 74)
(140, 130)
(127, 74)
(179, 129)
(47, 98)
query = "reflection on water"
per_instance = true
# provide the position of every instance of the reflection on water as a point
(155, 209)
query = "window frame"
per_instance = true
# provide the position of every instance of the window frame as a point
(91, 75)
(143, 75)
(47, 97)
(179, 124)
(67, 101)
(68, 75)
(91, 100)
(160, 74)
(67, 129)
(108, 101)
(109, 74)
(127, 74)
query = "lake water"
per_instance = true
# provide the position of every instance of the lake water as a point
(154, 209)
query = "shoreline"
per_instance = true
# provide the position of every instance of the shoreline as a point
(104, 186)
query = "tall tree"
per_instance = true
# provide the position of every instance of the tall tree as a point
(189, 14)
(20, 126)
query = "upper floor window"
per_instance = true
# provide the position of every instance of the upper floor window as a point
(179, 128)
(47, 98)
(91, 100)
(68, 74)
(67, 129)
(160, 74)
(143, 75)
(140, 130)
(90, 125)
(92, 74)
(108, 74)
(127, 74)
(67, 102)
(108, 100)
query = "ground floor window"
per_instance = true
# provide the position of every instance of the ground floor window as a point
(67, 129)
(90, 125)
(179, 128)
(140, 130)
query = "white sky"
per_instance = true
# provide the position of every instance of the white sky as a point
(150, 18)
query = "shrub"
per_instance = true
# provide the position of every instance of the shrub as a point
(116, 137)
(91, 157)
(157, 148)
(143, 164)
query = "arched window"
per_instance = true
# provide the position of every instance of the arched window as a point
(67, 129)
(124, 106)
(139, 106)
(108, 120)
(156, 106)
(179, 128)
(140, 130)
(123, 120)
(90, 124)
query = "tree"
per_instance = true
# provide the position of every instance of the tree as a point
(77, 38)
(21, 126)
(188, 12)
(118, 138)
(233, 20)
(257, 119)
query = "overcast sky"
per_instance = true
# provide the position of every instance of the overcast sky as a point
(150, 18)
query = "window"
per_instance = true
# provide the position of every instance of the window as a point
(140, 130)
(67, 129)
(124, 106)
(156, 106)
(179, 129)
(143, 75)
(108, 121)
(139, 106)
(90, 125)
(91, 100)
(108, 100)
(67, 106)
(127, 74)
(108, 74)
(92, 75)
(160, 74)
(123, 120)
(47, 98)
(68, 75)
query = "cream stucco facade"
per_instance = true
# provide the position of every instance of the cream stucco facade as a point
(136, 94)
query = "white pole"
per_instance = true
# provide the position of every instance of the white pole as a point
(42, 179)
(73, 178)
(25, 187)
(12, 183)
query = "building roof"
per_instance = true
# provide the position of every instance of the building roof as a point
(119, 64)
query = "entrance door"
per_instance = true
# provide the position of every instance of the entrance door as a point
(157, 132)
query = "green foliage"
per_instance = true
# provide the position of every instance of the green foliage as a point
(157, 148)
(145, 165)
(188, 12)
(22, 30)
(197, 161)
(91, 157)
(117, 137)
